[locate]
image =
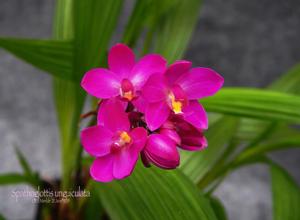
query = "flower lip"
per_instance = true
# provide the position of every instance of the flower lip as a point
(127, 90)
(177, 99)
(120, 140)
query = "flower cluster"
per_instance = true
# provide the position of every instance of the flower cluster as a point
(146, 109)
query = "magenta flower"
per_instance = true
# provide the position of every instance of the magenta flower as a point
(161, 147)
(177, 91)
(161, 151)
(185, 135)
(124, 78)
(146, 109)
(114, 145)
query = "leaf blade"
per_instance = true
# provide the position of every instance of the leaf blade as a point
(285, 193)
(176, 29)
(23, 162)
(54, 57)
(196, 164)
(14, 178)
(255, 103)
(157, 194)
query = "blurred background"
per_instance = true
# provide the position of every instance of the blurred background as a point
(250, 43)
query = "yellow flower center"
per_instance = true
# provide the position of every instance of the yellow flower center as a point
(176, 105)
(124, 138)
(128, 95)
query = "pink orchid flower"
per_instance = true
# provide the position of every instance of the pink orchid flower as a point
(161, 151)
(161, 147)
(124, 78)
(177, 91)
(115, 146)
(185, 135)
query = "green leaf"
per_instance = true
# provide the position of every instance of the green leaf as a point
(288, 82)
(92, 208)
(286, 195)
(95, 21)
(14, 178)
(90, 23)
(269, 146)
(218, 208)
(196, 164)
(68, 97)
(54, 57)
(23, 162)
(175, 29)
(136, 22)
(154, 194)
(255, 103)
(1, 217)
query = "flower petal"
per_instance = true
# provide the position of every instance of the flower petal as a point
(125, 159)
(102, 169)
(193, 142)
(200, 82)
(96, 140)
(195, 114)
(156, 114)
(162, 151)
(176, 70)
(146, 66)
(101, 83)
(102, 109)
(140, 103)
(139, 136)
(113, 115)
(121, 60)
(124, 162)
(172, 134)
(155, 89)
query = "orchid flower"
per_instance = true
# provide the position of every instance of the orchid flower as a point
(124, 78)
(185, 135)
(115, 146)
(177, 91)
(146, 109)
(161, 151)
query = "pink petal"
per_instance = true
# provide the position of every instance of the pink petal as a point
(121, 60)
(113, 115)
(156, 114)
(146, 66)
(140, 104)
(155, 89)
(101, 83)
(101, 111)
(195, 114)
(102, 169)
(170, 133)
(139, 136)
(96, 140)
(177, 69)
(200, 82)
(162, 151)
(126, 159)
(193, 143)
(124, 162)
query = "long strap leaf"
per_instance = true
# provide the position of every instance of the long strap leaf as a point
(14, 178)
(255, 103)
(54, 57)
(154, 194)
(196, 164)
(286, 195)
(176, 28)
